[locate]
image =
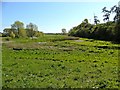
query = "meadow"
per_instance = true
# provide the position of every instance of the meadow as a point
(59, 61)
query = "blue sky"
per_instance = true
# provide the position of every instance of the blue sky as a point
(52, 16)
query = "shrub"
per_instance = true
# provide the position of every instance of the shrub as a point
(12, 35)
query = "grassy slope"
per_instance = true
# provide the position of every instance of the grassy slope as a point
(60, 64)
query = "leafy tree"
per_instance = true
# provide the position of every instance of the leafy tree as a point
(106, 14)
(115, 9)
(104, 31)
(64, 31)
(12, 35)
(72, 32)
(38, 34)
(82, 30)
(16, 26)
(31, 28)
(0, 34)
(22, 33)
(85, 21)
(7, 31)
(96, 21)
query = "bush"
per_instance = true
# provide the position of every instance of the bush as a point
(7, 39)
(12, 35)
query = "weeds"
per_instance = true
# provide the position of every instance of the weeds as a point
(60, 63)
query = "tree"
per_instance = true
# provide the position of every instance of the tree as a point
(17, 28)
(106, 14)
(31, 29)
(7, 31)
(0, 34)
(12, 35)
(38, 34)
(96, 20)
(85, 21)
(116, 10)
(72, 32)
(32, 26)
(104, 31)
(82, 30)
(64, 31)
(17, 25)
(22, 33)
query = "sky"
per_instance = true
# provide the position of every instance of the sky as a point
(51, 17)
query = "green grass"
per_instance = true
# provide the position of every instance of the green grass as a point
(60, 63)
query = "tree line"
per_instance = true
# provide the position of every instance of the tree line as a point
(103, 31)
(18, 30)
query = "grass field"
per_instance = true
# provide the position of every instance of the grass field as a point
(57, 61)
